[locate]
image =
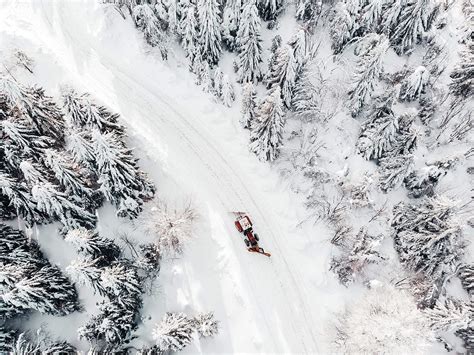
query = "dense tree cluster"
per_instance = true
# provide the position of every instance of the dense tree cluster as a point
(428, 238)
(28, 282)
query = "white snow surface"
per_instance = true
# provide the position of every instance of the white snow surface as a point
(193, 148)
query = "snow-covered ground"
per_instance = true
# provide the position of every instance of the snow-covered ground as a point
(194, 149)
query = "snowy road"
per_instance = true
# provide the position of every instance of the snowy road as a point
(277, 309)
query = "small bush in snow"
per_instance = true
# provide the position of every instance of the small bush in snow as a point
(171, 228)
(206, 325)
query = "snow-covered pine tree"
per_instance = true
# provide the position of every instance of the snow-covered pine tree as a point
(422, 182)
(371, 16)
(307, 11)
(109, 329)
(188, 29)
(79, 145)
(86, 271)
(414, 85)
(20, 199)
(218, 80)
(370, 50)
(56, 204)
(394, 169)
(171, 228)
(304, 101)
(249, 105)
(383, 320)
(379, 130)
(228, 94)
(342, 26)
(89, 243)
(462, 76)
(174, 332)
(20, 140)
(7, 339)
(147, 21)
(73, 178)
(427, 237)
(121, 282)
(363, 252)
(232, 15)
(149, 258)
(209, 30)
(206, 325)
(466, 275)
(415, 17)
(249, 45)
(302, 47)
(270, 9)
(266, 134)
(451, 314)
(282, 73)
(45, 290)
(122, 182)
(84, 113)
(38, 110)
(207, 79)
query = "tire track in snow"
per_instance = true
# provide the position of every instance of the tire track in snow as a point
(222, 178)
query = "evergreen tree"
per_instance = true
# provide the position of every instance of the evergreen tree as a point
(369, 67)
(308, 11)
(218, 80)
(282, 73)
(7, 339)
(427, 237)
(206, 78)
(300, 42)
(414, 85)
(79, 145)
(73, 178)
(209, 30)
(231, 23)
(228, 94)
(363, 251)
(45, 290)
(19, 140)
(270, 9)
(266, 135)
(249, 105)
(121, 280)
(249, 45)
(122, 183)
(371, 15)
(147, 21)
(89, 243)
(379, 131)
(188, 28)
(466, 275)
(463, 73)
(394, 169)
(304, 101)
(174, 332)
(342, 27)
(415, 18)
(57, 205)
(20, 199)
(110, 328)
(84, 112)
(86, 272)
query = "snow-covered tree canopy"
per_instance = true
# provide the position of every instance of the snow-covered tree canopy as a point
(383, 320)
